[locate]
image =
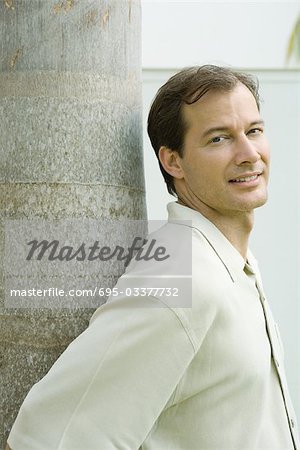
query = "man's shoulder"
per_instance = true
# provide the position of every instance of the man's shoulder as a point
(170, 250)
(183, 275)
(183, 280)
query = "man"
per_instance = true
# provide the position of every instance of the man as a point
(209, 376)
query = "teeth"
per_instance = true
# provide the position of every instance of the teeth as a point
(241, 180)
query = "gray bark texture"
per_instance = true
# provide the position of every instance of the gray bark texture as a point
(70, 147)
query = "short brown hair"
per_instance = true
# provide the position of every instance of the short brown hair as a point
(166, 126)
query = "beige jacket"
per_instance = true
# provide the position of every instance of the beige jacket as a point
(202, 370)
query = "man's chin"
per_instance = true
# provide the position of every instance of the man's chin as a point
(262, 201)
(255, 204)
(256, 201)
(251, 204)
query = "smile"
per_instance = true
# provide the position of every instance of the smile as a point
(245, 179)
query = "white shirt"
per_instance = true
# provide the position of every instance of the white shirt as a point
(149, 375)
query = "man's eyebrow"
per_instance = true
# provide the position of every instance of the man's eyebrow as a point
(225, 128)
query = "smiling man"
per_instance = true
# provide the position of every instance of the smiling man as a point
(222, 169)
(205, 377)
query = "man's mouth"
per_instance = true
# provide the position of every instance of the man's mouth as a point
(245, 179)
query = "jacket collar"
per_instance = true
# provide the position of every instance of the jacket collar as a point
(227, 253)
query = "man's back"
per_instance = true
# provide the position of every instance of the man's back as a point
(151, 376)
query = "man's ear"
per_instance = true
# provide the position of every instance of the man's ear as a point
(170, 160)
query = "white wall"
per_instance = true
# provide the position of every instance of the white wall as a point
(243, 34)
(251, 36)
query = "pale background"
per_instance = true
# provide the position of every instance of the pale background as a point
(251, 36)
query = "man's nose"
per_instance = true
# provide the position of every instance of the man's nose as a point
(247, 151)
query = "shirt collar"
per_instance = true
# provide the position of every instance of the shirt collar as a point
(227, 253)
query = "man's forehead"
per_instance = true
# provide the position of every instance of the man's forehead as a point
(215, 103)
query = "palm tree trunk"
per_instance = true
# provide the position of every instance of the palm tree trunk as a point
(70, 147)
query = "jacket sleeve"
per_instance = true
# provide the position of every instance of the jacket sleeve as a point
(110, 385)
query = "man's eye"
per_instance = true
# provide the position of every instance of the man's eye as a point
(217, 139)
(256, 131)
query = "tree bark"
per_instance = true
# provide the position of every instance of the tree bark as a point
(70, 147)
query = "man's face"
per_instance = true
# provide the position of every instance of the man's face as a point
(226, 155)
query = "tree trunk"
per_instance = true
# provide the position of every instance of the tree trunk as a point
(70, 148)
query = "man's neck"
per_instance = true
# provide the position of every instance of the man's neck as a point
(236, 228)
